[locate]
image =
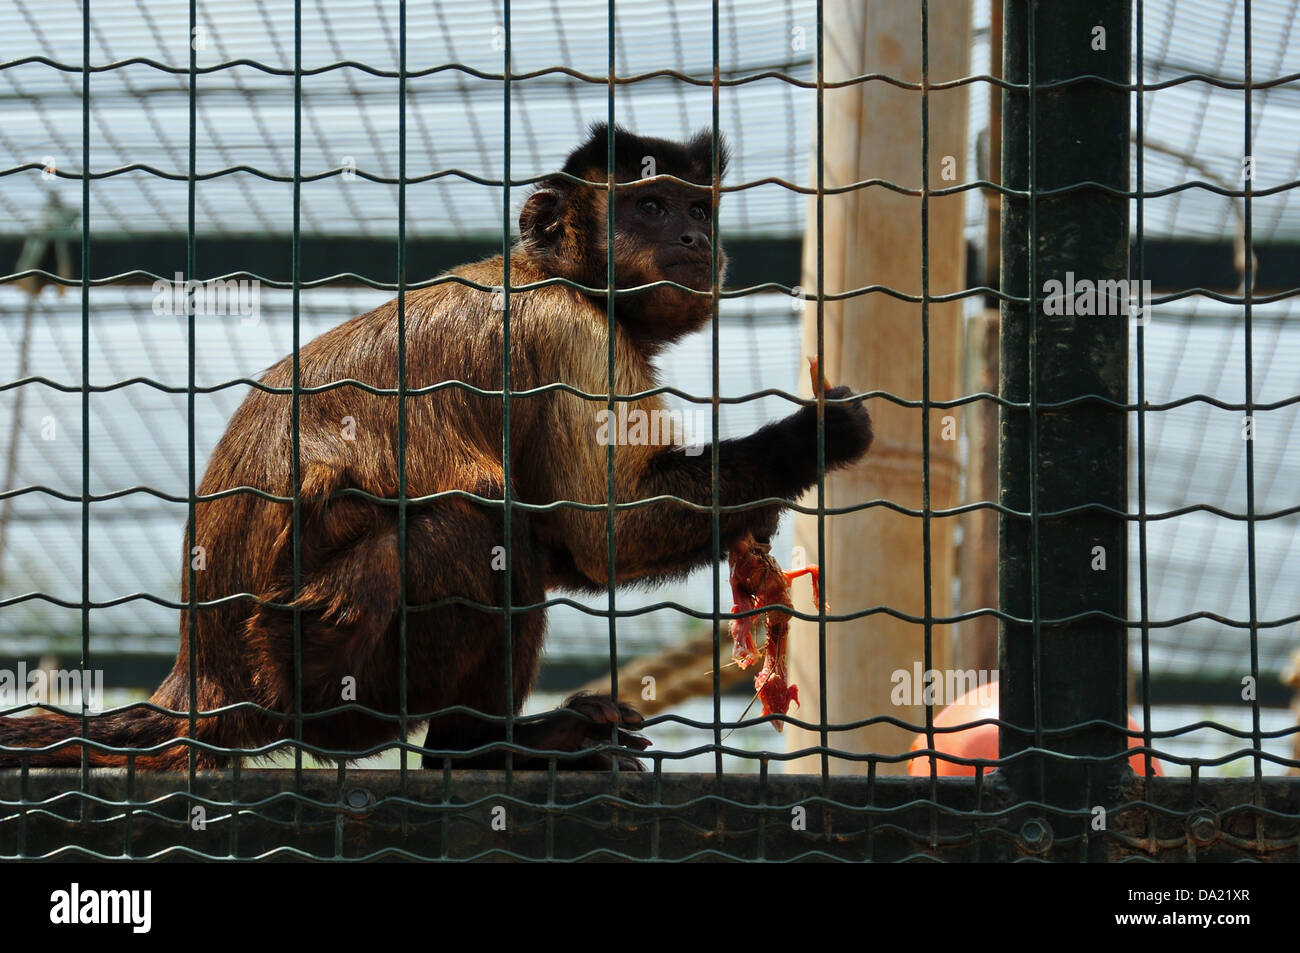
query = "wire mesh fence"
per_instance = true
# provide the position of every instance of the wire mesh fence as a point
(1086, 761)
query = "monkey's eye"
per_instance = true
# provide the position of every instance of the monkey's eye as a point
(651, 206)
(700, 211)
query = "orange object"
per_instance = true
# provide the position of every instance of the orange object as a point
(981, 741)
(819, 383)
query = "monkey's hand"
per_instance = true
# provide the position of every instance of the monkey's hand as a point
(584, 723)
(848, 429)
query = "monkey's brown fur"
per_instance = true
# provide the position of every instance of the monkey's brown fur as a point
(349, 591)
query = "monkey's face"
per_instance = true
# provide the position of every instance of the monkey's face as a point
(663, 231)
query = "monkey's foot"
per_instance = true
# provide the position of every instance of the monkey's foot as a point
(584, 722)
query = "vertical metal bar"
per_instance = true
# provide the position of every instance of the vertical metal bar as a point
(823, 711)
(1034, 550)
(656, 800)
(611, 510)
(715, 499)
(1248, 290)
(296, 408)
(928, 623)
(128, 833)
(24, 798)
(85, 392)
(236, 769)
(869, 847)
(551, 808)
(402, 700)
(444, 820)
(340, 798)
(508, 541)
(1138, 271)
(191, 268)
(1056, 675)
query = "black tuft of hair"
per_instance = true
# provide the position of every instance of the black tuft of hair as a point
(691, 160)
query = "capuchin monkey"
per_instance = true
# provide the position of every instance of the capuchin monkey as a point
(347, 594)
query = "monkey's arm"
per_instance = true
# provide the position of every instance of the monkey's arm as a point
(667, 538)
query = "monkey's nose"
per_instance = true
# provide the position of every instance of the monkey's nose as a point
(694, 240)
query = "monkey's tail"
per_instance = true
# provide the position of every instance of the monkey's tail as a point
(138, 728)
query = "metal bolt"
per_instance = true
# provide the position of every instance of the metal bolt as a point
(1036, 835)
(1203, 826)
(358, 799)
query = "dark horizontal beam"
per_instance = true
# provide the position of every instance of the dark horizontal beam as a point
(753, 260)
(1212, 690)
(1171, 264)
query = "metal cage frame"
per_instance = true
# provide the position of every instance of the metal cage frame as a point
(1064, 646)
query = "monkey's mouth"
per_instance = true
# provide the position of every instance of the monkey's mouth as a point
(693, 266)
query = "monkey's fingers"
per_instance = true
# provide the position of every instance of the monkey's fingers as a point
(630, 739)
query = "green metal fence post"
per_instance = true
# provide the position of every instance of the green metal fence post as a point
(1065, 150)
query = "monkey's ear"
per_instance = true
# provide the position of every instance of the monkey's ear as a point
(539, 219)
(701, 149)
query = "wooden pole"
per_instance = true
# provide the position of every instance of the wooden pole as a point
(874, 557)
(977, 566)
(977, 644)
